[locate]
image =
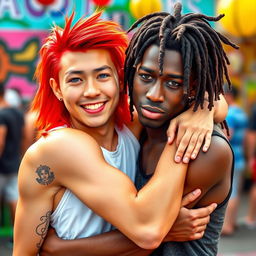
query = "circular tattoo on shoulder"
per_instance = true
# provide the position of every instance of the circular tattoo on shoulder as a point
(45, 175)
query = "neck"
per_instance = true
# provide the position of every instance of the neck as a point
(106, 136)
(157, 135)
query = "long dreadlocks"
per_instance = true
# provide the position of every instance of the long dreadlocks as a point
(199, 44)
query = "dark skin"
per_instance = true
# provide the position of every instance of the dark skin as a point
(157, 98)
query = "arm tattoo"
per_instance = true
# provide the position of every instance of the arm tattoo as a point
(42, 228)
(45, 175)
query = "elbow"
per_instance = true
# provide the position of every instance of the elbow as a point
(150, 239)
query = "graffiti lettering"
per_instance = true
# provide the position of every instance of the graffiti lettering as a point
(10, 7)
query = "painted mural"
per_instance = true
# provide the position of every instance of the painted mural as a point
(25, 23)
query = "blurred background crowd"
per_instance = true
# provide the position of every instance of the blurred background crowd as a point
(25, 23)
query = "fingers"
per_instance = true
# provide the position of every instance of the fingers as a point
(190, 197)
(204, 211)
(212, 207)
(182, 141)
(189, 142)
(200, 217)
(197, 146)
(207, 142)
(172, 131)
(197, 236)
(193, 147)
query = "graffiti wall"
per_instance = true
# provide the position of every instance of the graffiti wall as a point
(25, 23)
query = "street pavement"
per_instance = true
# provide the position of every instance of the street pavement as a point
(242, 243)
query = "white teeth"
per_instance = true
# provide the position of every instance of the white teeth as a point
(93, 106)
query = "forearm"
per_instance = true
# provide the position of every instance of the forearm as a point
(106, 244)
(29, 231)
(163, 192)
(146, 216)
(220, 109)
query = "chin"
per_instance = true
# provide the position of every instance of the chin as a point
(152, 124)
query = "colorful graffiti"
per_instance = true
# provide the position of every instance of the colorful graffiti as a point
(18, 56)
(24, 24)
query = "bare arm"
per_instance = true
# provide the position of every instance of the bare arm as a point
(189, 225)
(107, 244)
(145, 216)
(211, 173)
(3, 132)
(33, 210)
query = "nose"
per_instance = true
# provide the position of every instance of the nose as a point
(91, 89)
(155, 93)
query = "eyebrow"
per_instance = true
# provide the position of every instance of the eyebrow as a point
(153, 71)
(79, 72)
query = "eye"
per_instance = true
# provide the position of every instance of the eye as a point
(103, 76)
(74, 80)
(146, 77)
(173, 84)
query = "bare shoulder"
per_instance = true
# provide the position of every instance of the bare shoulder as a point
(219, 153)
(61, 142)
(57, 152)
(211, 171)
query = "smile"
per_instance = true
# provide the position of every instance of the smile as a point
(94, 108)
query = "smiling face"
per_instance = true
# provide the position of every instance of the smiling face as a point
(158, 99)
(89, 87)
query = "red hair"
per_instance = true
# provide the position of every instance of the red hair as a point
(89, 33)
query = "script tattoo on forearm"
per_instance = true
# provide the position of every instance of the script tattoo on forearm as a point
(45, 175)
(42, 228)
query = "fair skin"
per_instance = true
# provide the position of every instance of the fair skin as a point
(89, 91)
(116, 243)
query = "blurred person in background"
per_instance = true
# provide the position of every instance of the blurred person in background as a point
(11, 133)
(30, 131)
(238, 123)
(250, 219)
(13, 97)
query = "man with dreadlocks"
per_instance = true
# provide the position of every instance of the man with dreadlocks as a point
(174, 62)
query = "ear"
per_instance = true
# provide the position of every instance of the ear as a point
(55, 88)
(193, 84)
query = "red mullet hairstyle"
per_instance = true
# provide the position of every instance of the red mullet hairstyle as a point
(89, 33)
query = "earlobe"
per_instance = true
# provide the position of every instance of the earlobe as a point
(55, 88)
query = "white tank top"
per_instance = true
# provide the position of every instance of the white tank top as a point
(72, 219)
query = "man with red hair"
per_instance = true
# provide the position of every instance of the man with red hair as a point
(83, 113)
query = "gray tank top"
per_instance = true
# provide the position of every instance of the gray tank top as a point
(208, 244)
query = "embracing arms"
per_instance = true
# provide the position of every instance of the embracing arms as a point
(189, 225)
(144, 216)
